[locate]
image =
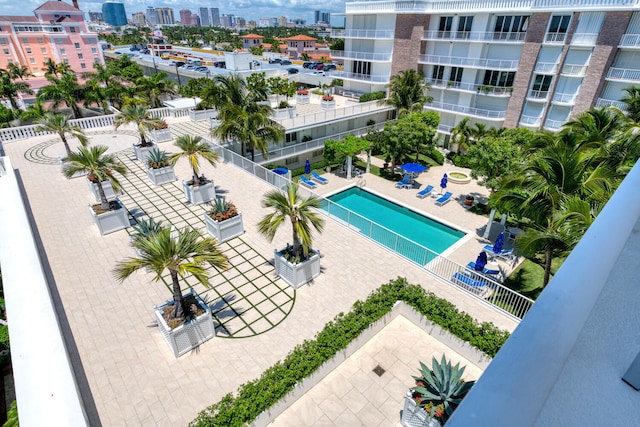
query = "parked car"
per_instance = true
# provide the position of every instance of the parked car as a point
(201, 69)
(188, 67)
(285, 62)
(319, 73)
(306, 64)
(177, 63)
(220, 64)
(255, 63)
(275, 61)
(329, 67)
(318, 66)
(145, 51)
(134, 48)
(292, 70)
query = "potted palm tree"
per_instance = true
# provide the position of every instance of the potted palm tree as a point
(109, 216)
(161, 133)
(327, 102)
(60, 125)
(223, 220)
(186, 321)
(199, 189)
(159, 170)
(143, 122)
(297, 263)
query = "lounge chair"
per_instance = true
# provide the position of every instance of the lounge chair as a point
(406, 181)
(306, 182)
(485, 270)
(469, 282)
(444, 198)
(507, 255)
(425, 191)
(318, 178)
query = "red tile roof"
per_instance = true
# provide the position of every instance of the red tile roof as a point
(56, 6)
(300, 37)
(252, 36)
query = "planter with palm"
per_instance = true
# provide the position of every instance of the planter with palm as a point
(186, 321)
(199, 189)
(109, 216)
(161, 133)
(60, 125)
(297, 263)
(141, 118)
(223, 220)
(159, 170)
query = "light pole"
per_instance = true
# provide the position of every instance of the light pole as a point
(178, 74)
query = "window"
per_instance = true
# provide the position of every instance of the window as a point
(83, 66)
(36, 70)
(28, 50)
(96, 60)
(3, 41)
(508, 27)
(32, 60)
(6, 51)
(438, 73)
(40, 40)
(25, 40)
(77, 45)
(541, 86)
(361, 67)
(80, 56)
(66, 61)
(499, 78)
(464, 27)
(94, 50)
(92, 41)
(43, 50)
(63, 51)
(72, 29)
(445, 26)
(558, 28)
(59, 41)
(9, 61)
(456, 75)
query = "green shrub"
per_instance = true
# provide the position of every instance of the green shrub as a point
(437, 156)
(372, 96)
(458, 160)
(260, 394)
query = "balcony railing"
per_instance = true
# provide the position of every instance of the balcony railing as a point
(555, 37)
(546, 67)
(478, 112)
(363, 34)
(362, 56)
(479, 36)
(625, 74)
(539, 95)
(332, 115)
(630, 40)
(461, 61)
(530, 120)
(554, 124)
(374, 78)
(602, 102)
(469, 87)
(584, 39)
(564, 98)
(574, 70)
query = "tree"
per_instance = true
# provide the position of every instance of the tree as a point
(8, 115)
(34, 111)
(407, 91)
(348, 147)
(99, 166)
(193, 147)
(11, 87)
(632, 102)
(298, 210)
(138, 115)
(461, 135)
(186, 253)
(64, 89)
(154, 87)
(337, 44)
(59, 123)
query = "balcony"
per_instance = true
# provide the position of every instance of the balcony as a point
(602, 102)
(554, 124)
(564, 98)
(475, 36)
(546, 68)
(631, 75)
(531, 121)
(471, 111)
(584, 39)
(630, 40)
(375, 78)
(538, 95)
(362, 56)
(459, 61)
(555, 38)
(574, 70)
(363, 34)
(469, 87)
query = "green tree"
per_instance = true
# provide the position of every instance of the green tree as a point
(140, 116)
(337, 44)
(407, 91)
(8, 115)
(59, 124)
(11, 87)
(348, 147)
(300, 211)
(154, 87)
(64, 89)
(192, 148)
(99, 166)
(187, 253)
(632, 102)
(34, 111)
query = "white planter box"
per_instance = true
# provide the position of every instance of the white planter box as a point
(303, 99)
(161, 135)
(214, 123)
(162, 175)
(62, 164)
(143, 152)
(284, 113)
(200, 194)
(111, 221)
(328, 105)
(415, 416)
(199, 115)
(106, 187)
(224, 230)
(188, 335)
(297, 275)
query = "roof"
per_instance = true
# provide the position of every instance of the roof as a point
(300, 37)
(252, 36)
(267, 45)
(56, 6)
(18, 19)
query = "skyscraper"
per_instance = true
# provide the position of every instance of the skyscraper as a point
(205, 18)
(152, 16)
(325, 17)
(165, 16)
(215, 17)
(139, 19)
(282, 21)
(95, 17)
(185, 17)
(316, 16)
(114, 13)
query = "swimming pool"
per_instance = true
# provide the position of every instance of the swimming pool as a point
(392, 225)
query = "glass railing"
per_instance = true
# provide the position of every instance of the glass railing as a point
(463, 61)
(480, 36)
(363, 56)
(375, 78)
(363, 34)
(627, 74)
(479, 112)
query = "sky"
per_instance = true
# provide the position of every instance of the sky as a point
(248, 9)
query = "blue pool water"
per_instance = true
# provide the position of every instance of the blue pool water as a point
(411, 226)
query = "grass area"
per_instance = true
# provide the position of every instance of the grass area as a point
(527, 278)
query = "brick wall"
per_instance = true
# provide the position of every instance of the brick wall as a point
(407, 44)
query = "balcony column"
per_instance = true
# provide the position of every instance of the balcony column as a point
(408, 41)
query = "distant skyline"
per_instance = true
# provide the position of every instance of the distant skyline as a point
(248, 9)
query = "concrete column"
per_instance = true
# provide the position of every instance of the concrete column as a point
(408, 41)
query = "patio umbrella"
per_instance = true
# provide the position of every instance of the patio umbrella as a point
(498, 246)
(443, 181)
(413, 168)
(307, 167)
(481, 261)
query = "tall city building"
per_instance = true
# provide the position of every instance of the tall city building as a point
(194, 20)
(185, 17)
(95, 17)
(114, 13)
(316, 16)
(227, 21)
(139, 19)
(241, 22)
(152, 16)
(215, 17)
(205, 17)
(282, 21)
(165, 16)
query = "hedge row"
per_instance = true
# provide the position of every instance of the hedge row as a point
(260, 394)
(372, 96)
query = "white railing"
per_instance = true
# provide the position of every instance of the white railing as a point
(487, 114)
(470, 87)
(480, 36)
(363, 34)
(494, 64)
(602, 102)
(554, 124)
(574, 70)
(502, 298)
(330, 115)
(628, 74)
(630, 40)
(539, 95)
(584, 39)
(445, 128)
(374, 78)
(555, 37)
(564, 98)
(546, 67)
(364, 56)
(530, 120)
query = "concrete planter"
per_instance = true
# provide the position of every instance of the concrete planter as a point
(303, 99)
(189, 335)
(111, 221)
(328, 105)
(297, 275)
(415, 416)
(143, 152)
(224, 230)
(64, 163)
(161, 135)
(214, 123)
(284, 113)
(162, 175)
(200, 194)
(106, 187)
(199, 115)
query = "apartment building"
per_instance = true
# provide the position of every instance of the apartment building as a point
(531, 63)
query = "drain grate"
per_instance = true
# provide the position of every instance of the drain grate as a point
(379, 370)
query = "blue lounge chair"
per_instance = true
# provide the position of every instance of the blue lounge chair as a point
(507, 255)
(425, 192)
(469, 282)
(318, 178)
(485, 270)
(306, 182)
(406, 182)
(444, 198)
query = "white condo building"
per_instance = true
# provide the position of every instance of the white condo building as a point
(531, 63)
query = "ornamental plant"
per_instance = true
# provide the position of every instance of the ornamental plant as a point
(157, 159)
(162, 125)
(221, 210)
(327, 97)
(302, 92)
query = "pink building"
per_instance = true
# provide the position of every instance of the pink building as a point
(300, 44)
(251, 40)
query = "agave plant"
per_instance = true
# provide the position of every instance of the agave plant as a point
(441, 385)
(157, 159)
(146, 227)
(221, 210)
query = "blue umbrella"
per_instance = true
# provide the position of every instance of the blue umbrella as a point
(413, 168)
(307, 167)
(481, 261)
(498, 246)
(443, 182)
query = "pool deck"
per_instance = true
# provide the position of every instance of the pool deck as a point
(128, 375)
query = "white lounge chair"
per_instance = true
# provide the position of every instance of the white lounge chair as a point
(444, 198)
(406, 181)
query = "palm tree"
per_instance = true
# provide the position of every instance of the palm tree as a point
(461, 135)
(139, 115)
(99, 166)
(59, 123)
(632, 101)
(407, 91)
(18, 71)
(95, 93)
(253, 128)
(193, 147)
(185, 253)
(11, 89)
(63, 89)
(34, 111)
(298, 210)
(154, 87)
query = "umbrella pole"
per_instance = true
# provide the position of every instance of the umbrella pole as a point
(487, 229)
